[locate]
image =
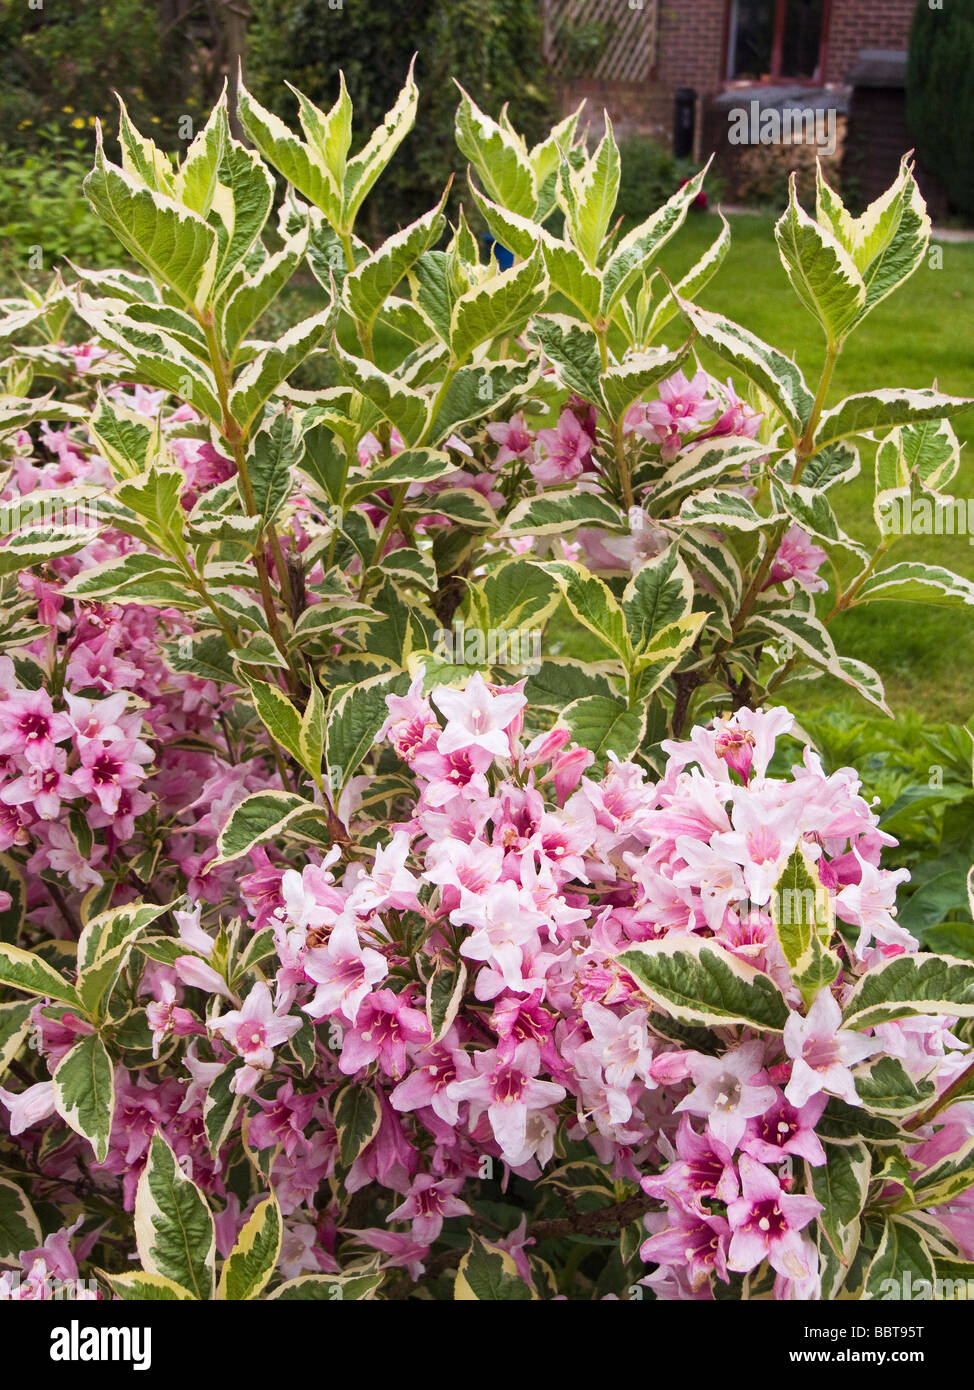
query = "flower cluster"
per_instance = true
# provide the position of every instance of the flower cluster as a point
(464, 982)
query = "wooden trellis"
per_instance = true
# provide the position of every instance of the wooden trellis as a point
(627, 41)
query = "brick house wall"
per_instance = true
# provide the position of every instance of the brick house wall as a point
(859, 24)
(691, 51)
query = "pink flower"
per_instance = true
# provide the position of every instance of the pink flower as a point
(563, 452)
(784, 1130)
(797, 558)
(344, 972)
(514, 438)
(29, 728)
(429, 1203)
(256, 1029)
(412, 726)
(509, 1091)
(384, 1026)
(41, 787)
(729, 1091)
(165, 1017)
(29, 1107)
(477, 718)
(504, 919)
(822, 1052)
(766, 1221)
(694, 1239)
(106, 771)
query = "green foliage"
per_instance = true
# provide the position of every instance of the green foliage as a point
(940, 98)
(492, 49)
(44, 215)
(650, 175)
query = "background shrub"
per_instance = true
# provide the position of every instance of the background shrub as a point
(940, 97)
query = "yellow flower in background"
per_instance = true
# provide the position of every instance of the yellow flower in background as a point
(68, 109)
(78, 123)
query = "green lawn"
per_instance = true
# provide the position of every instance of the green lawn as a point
(920, 336)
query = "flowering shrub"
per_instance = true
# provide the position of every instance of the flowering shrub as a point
(363, 945)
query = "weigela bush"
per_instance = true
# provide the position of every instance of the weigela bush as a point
(369, 945)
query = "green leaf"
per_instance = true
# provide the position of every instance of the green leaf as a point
(499, 157)
(263, 375)
(714, 507)
(15, 1025)
(260, 818)
(300, 165)
(357, 1118)
(803, 914)
(592, 191)
(25, 971)
(140, 1287)
(626, 383)
(908, 985)
(841, 1184)
(253, 1258)
(913, 582)
(889, 241)
(559, 511)
(604, 726)
(328, 1288)
(408, 466)
(368, 287)
(444, 993)
(886, 1087)
(486, 1272)
(279, 717)
(84, 1092)
(697, 981)
(241, 309)
(173, 243)
(638, 249)
(882, 409)
(498, 307)
(12, 882)
(821, 271)
(486, 389)
(19, 1227)
(36, 545)
(660, 593)
(902, 1252)
(573, 351)
(693, 282)
(127, 442)
(273, 457)
(364, 169)
(593, 604)
(407, 409)
(355, 716)
(574, 279)
(174, 1230)
(221, 1106)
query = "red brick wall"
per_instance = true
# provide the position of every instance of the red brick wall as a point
(690, 44)
(692, 36)
(858, 24)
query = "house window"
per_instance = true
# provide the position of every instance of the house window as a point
(776, 40)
